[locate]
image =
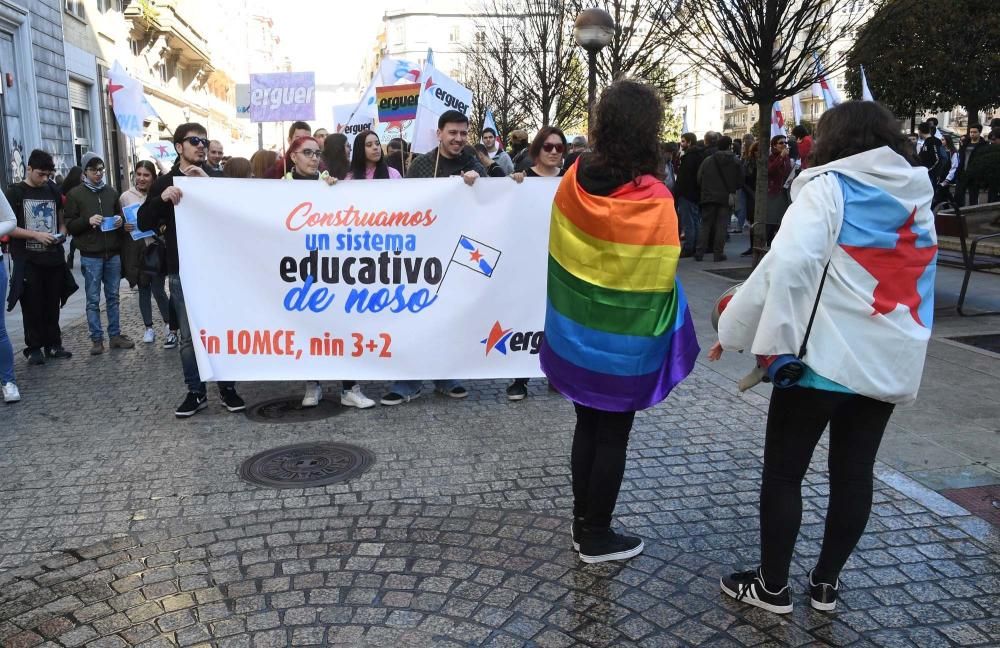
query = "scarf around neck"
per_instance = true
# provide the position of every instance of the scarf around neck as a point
(95, 187)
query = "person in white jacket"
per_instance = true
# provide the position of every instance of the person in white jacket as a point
(8, 221)
(858, 246)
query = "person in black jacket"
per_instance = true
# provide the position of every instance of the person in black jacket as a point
(687, 192)
(190, 141)
(93, 217)
(971, 147)
(929, 148)
(719, 176)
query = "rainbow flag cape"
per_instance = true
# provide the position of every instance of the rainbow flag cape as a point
(618, 332)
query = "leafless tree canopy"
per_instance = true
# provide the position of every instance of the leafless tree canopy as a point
(764, 50)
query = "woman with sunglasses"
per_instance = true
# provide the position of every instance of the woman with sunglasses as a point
(367, 161)
(305, 154)
(547, 151)
(779, 166)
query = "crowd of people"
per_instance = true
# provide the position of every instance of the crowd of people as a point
(615, 341)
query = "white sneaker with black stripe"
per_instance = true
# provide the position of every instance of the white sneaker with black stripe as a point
(748, 587)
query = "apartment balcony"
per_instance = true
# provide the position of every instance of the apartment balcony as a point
(164, 18)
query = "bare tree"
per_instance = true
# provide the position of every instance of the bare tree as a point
(552, 77)
(493, 71)
(763, 51)
(643, 47)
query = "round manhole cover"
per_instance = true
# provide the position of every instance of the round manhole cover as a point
(306, 465)
(289, 410)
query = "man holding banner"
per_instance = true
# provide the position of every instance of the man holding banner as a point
(191, 143)
(447, 159)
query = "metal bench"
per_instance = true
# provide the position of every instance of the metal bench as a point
(972, 226)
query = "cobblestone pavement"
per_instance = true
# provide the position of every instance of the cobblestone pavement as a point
(120, 525)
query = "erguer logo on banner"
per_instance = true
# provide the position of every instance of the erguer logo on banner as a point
(286, 96)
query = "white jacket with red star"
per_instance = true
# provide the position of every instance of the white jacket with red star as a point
(870, 216)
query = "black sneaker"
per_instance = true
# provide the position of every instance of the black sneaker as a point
(192, 404)
(231, 400)
(34, 356)
(58, 353)
(574, 532)
(747, 252)
(822, 596)
(602, 545)
(392, 398)
(455, 392)
(748, 587)
(517, 390)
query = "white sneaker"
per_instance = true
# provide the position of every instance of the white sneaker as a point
(314, 394)
(150, 336)
(11, 395)
(355, 398)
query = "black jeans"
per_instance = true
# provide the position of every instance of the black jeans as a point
(40, 303)
(795, 422)
(598, 463)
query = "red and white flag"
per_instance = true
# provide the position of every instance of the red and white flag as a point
(777, 120)
(128, 101)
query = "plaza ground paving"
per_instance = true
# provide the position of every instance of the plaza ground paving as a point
(120, 525)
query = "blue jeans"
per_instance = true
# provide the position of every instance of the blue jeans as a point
(741, 209)
(6, 350)
(690, 216)
(189, 363)
(98, 272)
(411, 387)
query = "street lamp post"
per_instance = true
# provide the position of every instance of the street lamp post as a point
(593, 30)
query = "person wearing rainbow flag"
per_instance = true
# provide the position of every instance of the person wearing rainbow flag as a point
(618, 333)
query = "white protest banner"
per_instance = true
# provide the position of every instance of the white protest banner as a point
(440, 93)
(282, 96)
(243, 101)
(341, 116)
(365, 280)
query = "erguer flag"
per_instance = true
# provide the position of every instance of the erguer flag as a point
(829, 93)
(440, 93)
(866, 93)
(128, 101)
(777, 120)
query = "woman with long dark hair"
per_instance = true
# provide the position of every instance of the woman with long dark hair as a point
(618, 334)
(337, 155)
(150, 286)
(305, 154)
(857, 249)
(367, 160)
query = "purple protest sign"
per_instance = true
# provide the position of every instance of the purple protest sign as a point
(284, 96)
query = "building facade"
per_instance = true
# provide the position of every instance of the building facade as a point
(34, 94)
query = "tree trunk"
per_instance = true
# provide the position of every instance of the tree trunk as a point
(973, 112)
(758, 233)
(913, 120)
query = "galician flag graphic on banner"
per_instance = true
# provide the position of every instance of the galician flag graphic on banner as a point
(777, 120)
(128, 101)
(829, 93)
(440, 93)
(866, 93)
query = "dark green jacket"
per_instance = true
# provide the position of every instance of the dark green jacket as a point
(81, 204)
